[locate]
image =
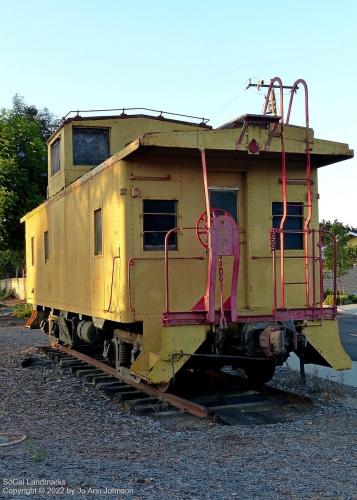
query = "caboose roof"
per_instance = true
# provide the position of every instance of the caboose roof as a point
(75, 116)
(223, 142)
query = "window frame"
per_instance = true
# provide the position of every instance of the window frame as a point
(52, 146)
(160, 248)
(226, 189)
(98, 251)
(85, 127)
(289, 244)
(46, 247)
(32, 243)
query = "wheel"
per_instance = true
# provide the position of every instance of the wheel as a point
(201, 226)
(259, 374)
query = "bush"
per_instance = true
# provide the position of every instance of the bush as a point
(22, 311)
(341, 299)
(352, 298)
(6, 294)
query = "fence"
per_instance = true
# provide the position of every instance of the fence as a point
(17, 285)
(347, 284)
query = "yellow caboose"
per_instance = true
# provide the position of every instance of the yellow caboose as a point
(178, 247)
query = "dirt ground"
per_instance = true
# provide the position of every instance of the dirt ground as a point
(80, 444)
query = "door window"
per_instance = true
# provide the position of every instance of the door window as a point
(225, 199)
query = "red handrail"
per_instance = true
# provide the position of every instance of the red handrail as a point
(283, 177)
(167, 236)
(308, 179)
(313, 258)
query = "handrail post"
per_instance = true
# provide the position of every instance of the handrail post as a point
(313, 271)
(167, 236)
(308, 178)
(334, 240)
(283, 177)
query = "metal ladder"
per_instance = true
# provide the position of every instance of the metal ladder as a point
(308, 206)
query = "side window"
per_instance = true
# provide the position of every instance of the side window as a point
(159, 216)
(225, 199)
(33, 250)
(98, 232)
(46, 246)
(90, 145)
(294, 222)
(55, 157)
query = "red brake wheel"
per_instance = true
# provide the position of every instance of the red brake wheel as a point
(202, 227)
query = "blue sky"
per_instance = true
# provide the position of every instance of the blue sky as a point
(191, 57)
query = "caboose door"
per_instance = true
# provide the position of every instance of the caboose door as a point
(226, 193)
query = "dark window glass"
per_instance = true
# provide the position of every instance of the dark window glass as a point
(33, 250)
(294, 221)
(225, 199)
(90, 145)
(46, 246)
(158, 218)
(55, 156)
(98, 232)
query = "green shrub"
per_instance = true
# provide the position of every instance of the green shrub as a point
(22, 311)
(328, 292)
(341, 299)
(352, 298)
(6, 294)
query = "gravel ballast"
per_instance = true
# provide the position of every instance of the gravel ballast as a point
(89, 448)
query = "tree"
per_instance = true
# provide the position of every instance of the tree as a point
(23, 174)
(346, 255)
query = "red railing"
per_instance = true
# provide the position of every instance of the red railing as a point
(223, 241)
(130, 265)
(316, 260)
(166, 257)
(284, 181)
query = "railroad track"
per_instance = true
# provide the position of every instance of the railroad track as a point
(231, 404)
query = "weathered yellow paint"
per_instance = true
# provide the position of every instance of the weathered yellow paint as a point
(122, 130)
(76, 280)
(175, 340)
(326, 340)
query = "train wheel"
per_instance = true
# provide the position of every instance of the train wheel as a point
(259, 374)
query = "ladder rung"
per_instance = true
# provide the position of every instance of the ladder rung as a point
(299, 257)
(295, 181)
(295, 283)
(297, 205)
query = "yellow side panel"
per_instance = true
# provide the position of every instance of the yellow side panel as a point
(71, 283)
(82, 300)
(326, 340)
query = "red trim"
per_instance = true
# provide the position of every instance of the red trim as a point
(283, 177)
(200, 317)
(314, 260)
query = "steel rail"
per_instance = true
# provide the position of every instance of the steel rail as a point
(181, 403)
(204, 120)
